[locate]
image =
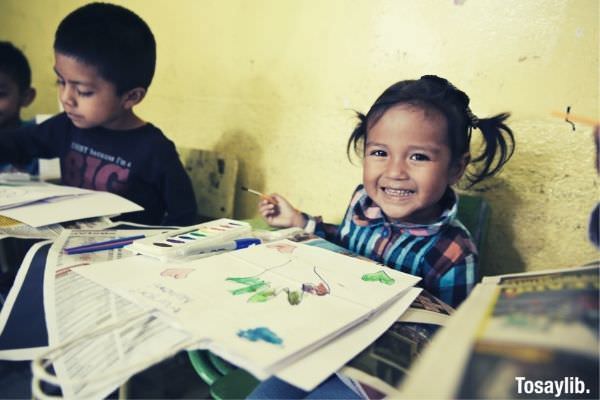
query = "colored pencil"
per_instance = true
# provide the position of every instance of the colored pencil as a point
(118, 241)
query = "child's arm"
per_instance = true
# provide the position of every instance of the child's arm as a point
(21, 145)
(282, 214)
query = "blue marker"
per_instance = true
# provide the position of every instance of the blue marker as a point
(199, 247)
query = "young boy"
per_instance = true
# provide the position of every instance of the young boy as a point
(105, 57)
(15, 93)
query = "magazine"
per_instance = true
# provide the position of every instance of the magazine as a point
(531, 334)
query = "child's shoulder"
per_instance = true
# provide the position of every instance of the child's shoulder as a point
(457, 236)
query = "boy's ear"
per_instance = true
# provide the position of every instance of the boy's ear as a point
(458, 168)
(27, 97)
(133, 97)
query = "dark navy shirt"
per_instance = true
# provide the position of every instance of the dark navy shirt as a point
(140, 164)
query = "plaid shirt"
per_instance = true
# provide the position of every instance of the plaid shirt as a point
(441, 253)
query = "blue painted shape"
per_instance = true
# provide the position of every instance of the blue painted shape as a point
(260, 333)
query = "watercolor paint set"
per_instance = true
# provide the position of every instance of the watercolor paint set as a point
(191, 239)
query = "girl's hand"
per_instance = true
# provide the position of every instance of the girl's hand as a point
(281, 213)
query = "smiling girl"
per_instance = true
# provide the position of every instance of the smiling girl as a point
(415, 144)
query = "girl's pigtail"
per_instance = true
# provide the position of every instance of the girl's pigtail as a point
(499, 147)
(359, 134)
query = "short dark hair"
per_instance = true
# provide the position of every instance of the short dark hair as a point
(113, 39)
(14, 64)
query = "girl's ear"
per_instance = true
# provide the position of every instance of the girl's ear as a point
(133, 97)
(458, 168)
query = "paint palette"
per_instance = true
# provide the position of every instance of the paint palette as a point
(177, 243)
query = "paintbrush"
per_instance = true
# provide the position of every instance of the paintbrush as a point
(263, 196)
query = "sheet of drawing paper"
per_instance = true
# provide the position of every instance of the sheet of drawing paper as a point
(63, 309)
(14, 195)
(23, 333)
(92, 205)
(312, 369)
(260, 305)
(76, 306)
(135, 340)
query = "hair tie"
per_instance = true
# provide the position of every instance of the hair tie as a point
(472, 118)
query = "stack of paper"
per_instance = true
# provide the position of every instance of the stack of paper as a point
(283, 308)
(292, 310)
(260, 307)
(40, 204)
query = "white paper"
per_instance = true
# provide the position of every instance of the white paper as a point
(200, 298)
(24, 231)
(28, 192)
(77, 309)
(309, 371)
(92, 205)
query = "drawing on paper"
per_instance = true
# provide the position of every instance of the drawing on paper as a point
(294, 296)
(253, 284)
(379, 276)
(177, 273)
(260, 333)
(263, 296)
(284, 248)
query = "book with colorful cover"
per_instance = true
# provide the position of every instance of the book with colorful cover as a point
(531, 334)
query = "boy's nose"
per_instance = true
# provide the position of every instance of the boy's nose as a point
(66, 96)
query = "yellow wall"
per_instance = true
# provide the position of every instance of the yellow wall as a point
(274, 82)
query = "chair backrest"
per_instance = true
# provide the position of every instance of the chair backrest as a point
(474, 213)
(214, 178)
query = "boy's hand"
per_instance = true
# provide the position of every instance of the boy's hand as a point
(281, 214)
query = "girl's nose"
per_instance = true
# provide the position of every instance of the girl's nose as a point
(397, 169)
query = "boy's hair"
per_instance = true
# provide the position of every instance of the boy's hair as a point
(14, 64)
(113, 39)
(433, 92)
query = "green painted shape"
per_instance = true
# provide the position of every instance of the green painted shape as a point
(248, 289)
(295, 297)
(263, 296)
(379, 276)
(245, 280)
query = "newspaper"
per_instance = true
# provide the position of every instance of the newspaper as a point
(533, 334)
(97, 338)
(13, 228)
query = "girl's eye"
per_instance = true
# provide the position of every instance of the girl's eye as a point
(419, 157)
(60, 82)
(377, 153)
(84, 94)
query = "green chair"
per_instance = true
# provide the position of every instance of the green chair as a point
(229, 382)
(474, 213)
(225, 381)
